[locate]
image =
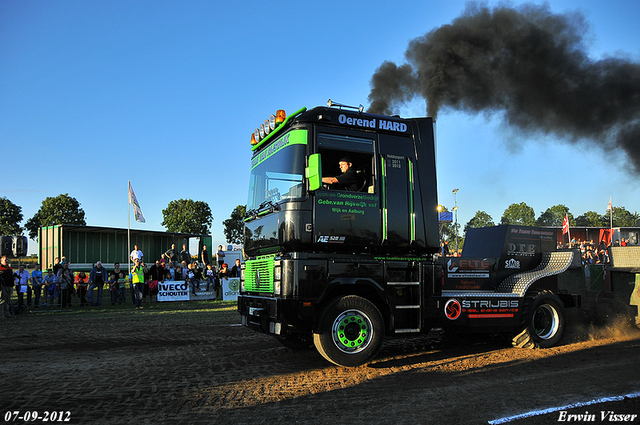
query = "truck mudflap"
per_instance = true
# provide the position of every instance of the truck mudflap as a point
(502, 307)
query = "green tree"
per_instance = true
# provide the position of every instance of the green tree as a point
(521, 214)
(10, 218)
(591, 219)
(481, 219)
(187, 216)
(554, 216)
(234, 225)
(624, 218)
(63, 209)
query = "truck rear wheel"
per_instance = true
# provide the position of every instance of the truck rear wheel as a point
(351, 331)
(543, 321)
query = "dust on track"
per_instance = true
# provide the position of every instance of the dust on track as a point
(201, 367)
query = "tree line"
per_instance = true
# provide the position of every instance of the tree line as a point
(180, 216)
(189, 216)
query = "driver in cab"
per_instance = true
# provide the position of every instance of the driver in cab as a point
(345, 181)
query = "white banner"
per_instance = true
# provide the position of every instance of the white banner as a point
(230, 288)
(179, 290)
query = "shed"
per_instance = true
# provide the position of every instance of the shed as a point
(84, 245)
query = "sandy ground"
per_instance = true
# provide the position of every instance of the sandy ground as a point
(198, 366)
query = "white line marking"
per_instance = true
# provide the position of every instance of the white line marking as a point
(566, 407)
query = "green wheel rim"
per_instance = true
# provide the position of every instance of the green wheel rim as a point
(352, 331)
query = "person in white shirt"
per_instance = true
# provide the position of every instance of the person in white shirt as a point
(136, 254)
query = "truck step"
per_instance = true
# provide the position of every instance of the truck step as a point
(407, 330)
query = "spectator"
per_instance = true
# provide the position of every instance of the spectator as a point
(224, 271)
(66, 285)
(56, 266)
(22, 286)
(6, 288)
(36, 283)
(82, 281)
(137, 282)
(136, 254)
(220, 256)
(170, 271)
(122, 282)
(50, 287)
(97, 278)
(179, 274)
(210, 277)
(172, 255)
(190, 279)
(235, 270)
(185, 256)
(156, 275)
(114, 288)
(205, 257)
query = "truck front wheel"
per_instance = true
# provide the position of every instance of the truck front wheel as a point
(543, 324)
(351, 331)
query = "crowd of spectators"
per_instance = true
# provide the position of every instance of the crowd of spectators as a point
(592, 253)
(57, 286)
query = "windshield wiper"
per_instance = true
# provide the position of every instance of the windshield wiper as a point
(264, 206)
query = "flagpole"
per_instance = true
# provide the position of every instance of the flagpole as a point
(129, 226)
(610, 213)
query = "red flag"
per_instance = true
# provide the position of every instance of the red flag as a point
(565, 225)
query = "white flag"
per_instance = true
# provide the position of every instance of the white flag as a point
(610, 206)
(136, 207)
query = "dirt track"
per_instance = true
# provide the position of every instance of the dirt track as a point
(199, 366)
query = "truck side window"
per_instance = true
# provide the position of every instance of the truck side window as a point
(346, 163)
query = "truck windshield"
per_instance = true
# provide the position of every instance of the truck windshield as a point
(277, 171)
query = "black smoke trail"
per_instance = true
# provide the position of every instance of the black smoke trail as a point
(526, 62)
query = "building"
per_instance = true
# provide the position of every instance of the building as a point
(84, 245)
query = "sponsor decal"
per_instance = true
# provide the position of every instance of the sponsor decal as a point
(490, 303)
(378, 123)
(468, 268)
(490, 309)
(452, 309)
(490, 316)
(234, 284)
(331, 239)
(512, 263)
(348, 205)
(521, 249)
(181, 291)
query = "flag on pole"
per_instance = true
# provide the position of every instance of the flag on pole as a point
(136, 207)
(565, 225)
(610, 206)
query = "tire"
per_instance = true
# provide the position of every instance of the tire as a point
(351, 331)
(543, 321)
(296, 341)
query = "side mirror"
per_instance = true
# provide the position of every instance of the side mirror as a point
(314, 172)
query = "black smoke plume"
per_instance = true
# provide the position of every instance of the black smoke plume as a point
(527, 63)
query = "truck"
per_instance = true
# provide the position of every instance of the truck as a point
(342, 270)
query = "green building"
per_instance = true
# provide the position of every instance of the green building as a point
(84, 245)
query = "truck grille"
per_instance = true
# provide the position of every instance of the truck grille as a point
(258, 274)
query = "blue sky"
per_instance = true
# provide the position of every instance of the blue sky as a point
(166, 94)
